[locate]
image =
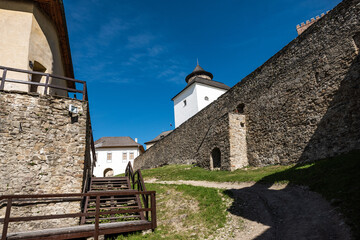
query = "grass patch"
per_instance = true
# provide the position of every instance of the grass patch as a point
(185, 212)
(188, 172)
(337, 179)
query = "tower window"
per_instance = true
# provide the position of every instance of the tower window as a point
(184, 103)
(206, 98)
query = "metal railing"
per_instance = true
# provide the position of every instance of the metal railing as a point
(9, 200)
(47, 83)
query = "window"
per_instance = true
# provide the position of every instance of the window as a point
(206, 98)
(109, 157)
(97, 155)
(131, 156)
(240, 108)
(184, 103)
(36, 78)
(124, 157)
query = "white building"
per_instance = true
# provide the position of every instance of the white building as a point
(200, 91)
(113, 155)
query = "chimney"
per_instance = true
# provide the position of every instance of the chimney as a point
(136, 140)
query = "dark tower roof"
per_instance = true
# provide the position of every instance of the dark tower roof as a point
(198, 71)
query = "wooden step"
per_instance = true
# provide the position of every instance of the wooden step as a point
(81, 231)
(111, 202)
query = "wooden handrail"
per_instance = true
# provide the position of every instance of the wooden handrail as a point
(10, 199)
(46, 85)
(91, 194)
(137, 182)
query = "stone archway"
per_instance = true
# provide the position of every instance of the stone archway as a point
(215, 158)
(109, 172)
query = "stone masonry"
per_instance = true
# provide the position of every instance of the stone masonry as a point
(42, 150)
(228, 134)
(301, 105)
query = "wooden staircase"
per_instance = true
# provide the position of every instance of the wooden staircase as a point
(111, 203)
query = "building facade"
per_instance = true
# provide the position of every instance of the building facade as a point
(200, 91)
(114, 153)
(35, 38)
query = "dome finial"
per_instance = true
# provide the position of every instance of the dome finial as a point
(198, 71)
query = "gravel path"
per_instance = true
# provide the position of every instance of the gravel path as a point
(276, 212)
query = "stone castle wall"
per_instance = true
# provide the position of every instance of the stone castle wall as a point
(301, 105)
(42, 150)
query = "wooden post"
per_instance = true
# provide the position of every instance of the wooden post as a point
(97, 215)
(46, 84)
(146, 205)
(153, 212)
(6, 220)
(3, 79)
(84, 92)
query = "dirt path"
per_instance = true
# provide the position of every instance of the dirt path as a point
(275, 212)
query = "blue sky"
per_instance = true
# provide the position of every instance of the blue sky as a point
(135, 54)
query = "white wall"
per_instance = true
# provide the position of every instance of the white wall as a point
(117, 164)
(195, 101)
(203, 91)
(183, 113)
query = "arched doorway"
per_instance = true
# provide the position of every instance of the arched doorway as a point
(108, 172)
(215, 158)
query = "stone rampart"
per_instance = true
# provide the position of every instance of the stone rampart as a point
(42, 150)
(301, 105)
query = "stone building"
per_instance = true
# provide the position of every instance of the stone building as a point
(44, 148)
(300, 105)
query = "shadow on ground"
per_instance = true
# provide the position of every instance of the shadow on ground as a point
(294, 212)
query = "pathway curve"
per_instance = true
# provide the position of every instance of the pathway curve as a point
(279, 211)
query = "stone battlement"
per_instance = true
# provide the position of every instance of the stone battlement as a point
(300, 28)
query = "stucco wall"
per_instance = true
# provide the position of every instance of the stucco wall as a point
(195, 101)
(301, 105)
(29, 35)
(181, 111)
(15, 34)
(203, 91)
(42, 150)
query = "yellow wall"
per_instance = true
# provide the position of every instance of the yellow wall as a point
(28, 35)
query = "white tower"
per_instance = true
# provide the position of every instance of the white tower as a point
(200, 91)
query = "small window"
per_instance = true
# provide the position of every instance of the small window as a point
(124, 156)
(97, 155)
(206, 98)
(109, 157)
(131, 156)
(184, 103)
(240, 108)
